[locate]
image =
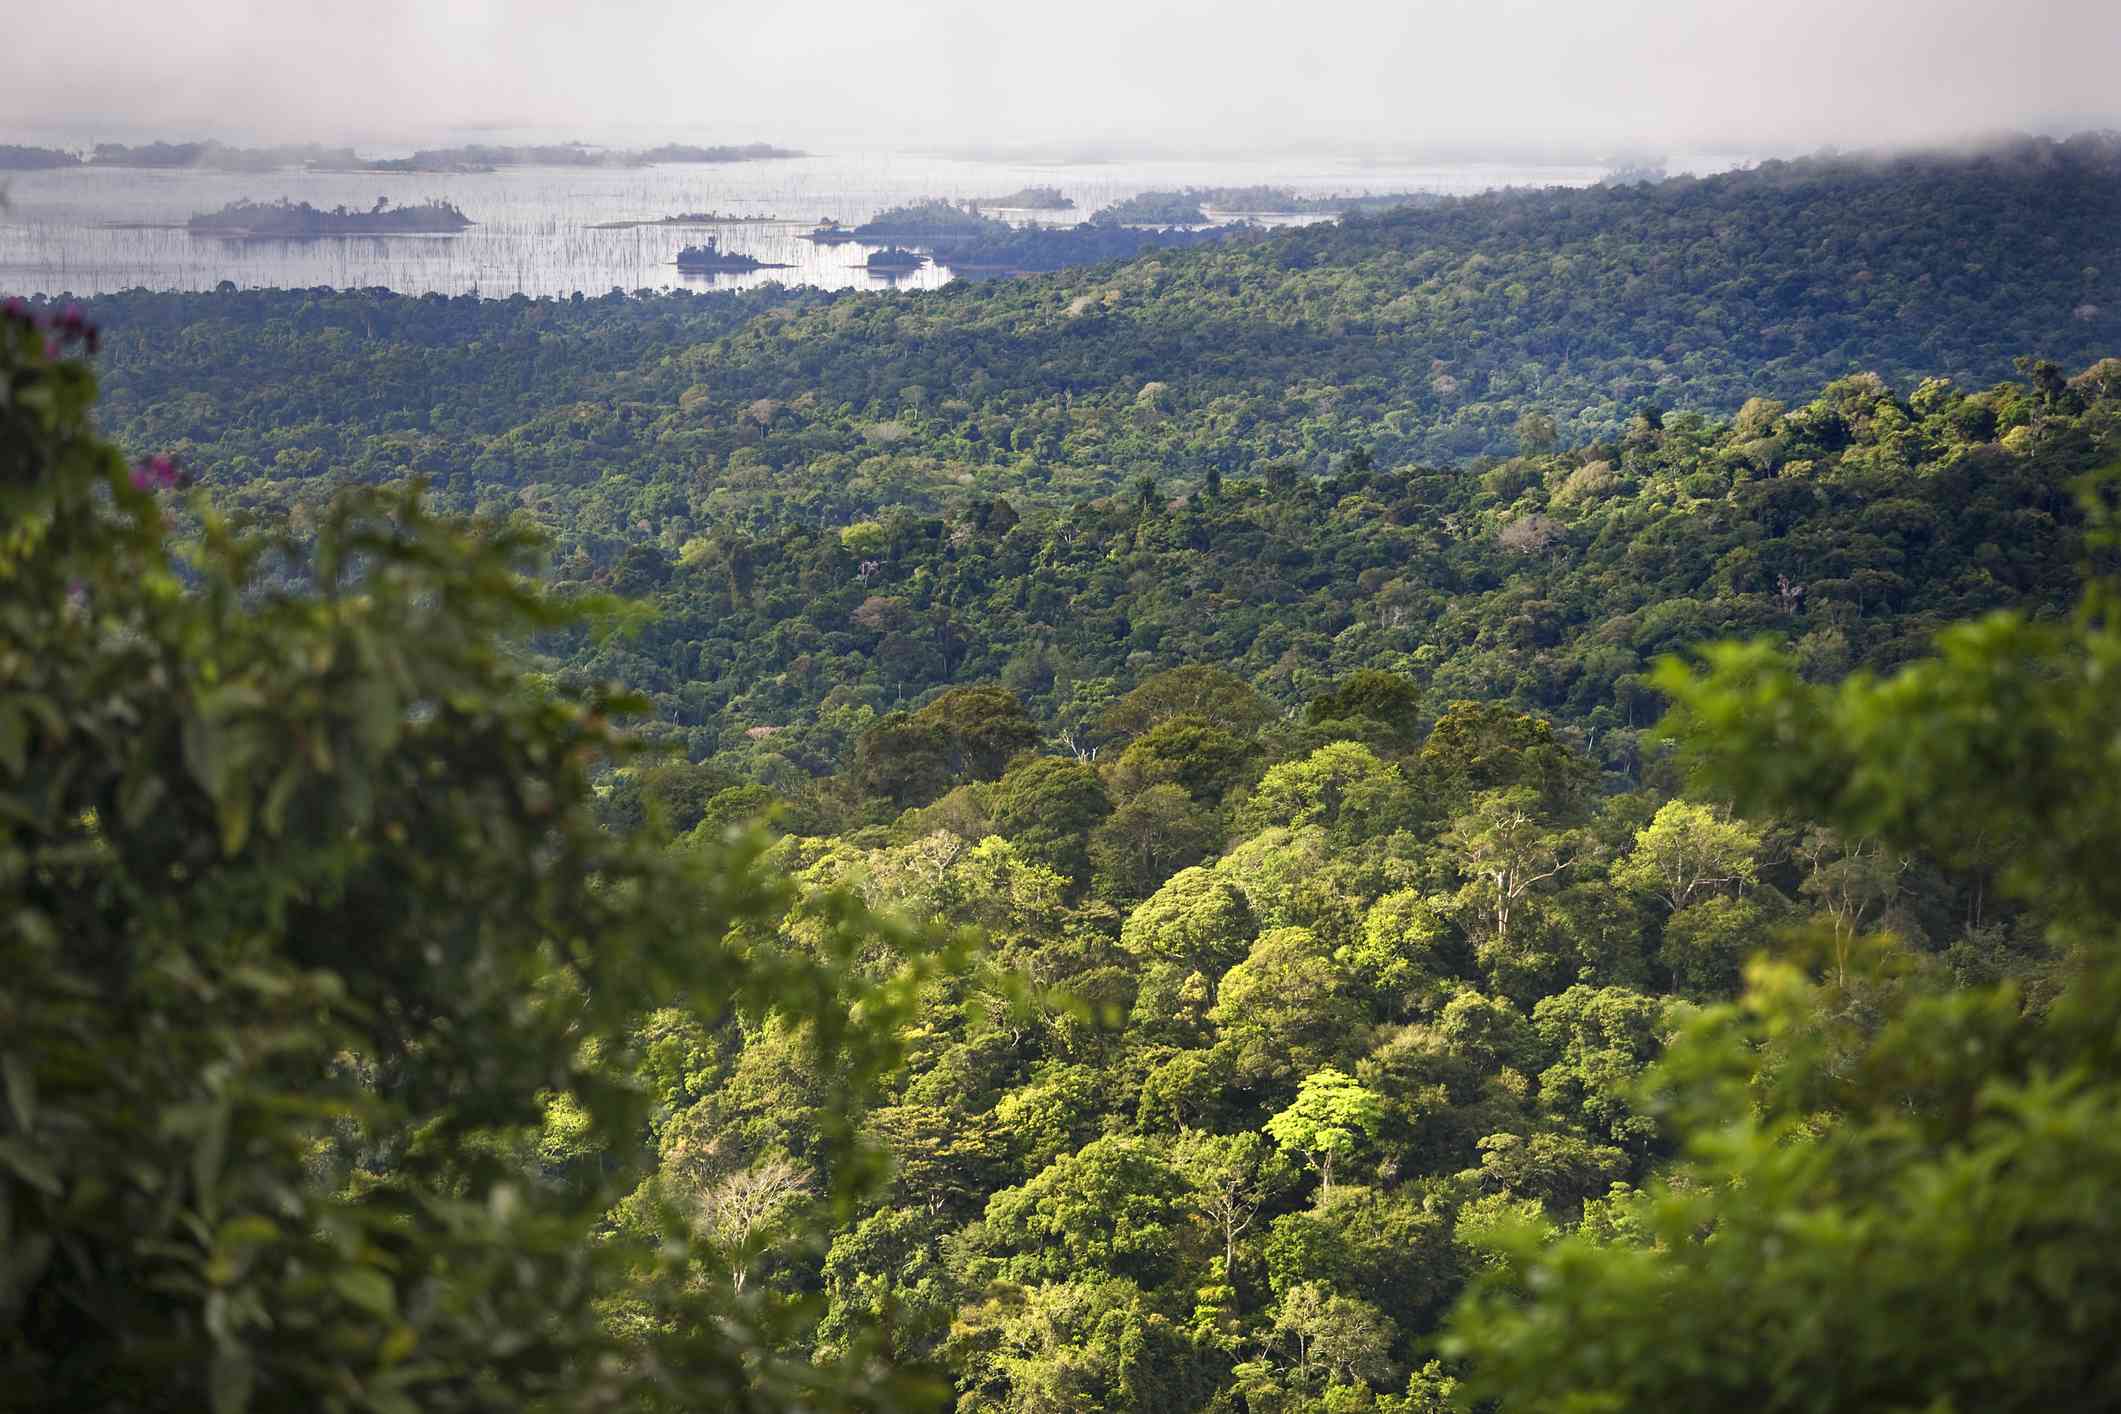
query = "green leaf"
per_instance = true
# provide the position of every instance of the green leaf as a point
(235, 820)
(368, 1289)
(21, 1090)
(208, 1153)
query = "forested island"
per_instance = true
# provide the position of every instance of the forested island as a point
(711, 257)
(677, 152)
(1153, 208)
(298, 219)
(1030, 199)
(1194, 206)
(924, 220)
(1502, 805)
(14, 158)
(895, 258)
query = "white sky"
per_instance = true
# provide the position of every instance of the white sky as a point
(1128, 74)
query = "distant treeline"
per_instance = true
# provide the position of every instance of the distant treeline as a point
(479, 156)
(221, 157)
(1191, 205)
(961, 237)
(1281, 201)
(34, 159)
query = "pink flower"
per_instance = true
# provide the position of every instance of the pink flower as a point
(158, 473)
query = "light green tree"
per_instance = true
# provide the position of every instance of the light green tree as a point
(1508, 852)
(1337, 1338)
(1333, 1116)
(1686, 853)
(1339, 779)
(1229, 1183)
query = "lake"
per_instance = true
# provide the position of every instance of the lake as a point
(65, 231)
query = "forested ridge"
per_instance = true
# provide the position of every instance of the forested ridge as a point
(1154, 847)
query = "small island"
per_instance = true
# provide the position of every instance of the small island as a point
(830, 232)
(712, 258)
(894, 260)
(1029, 199)
(288, 220)
(930, 220)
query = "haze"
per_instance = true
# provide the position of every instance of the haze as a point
(1126, 75)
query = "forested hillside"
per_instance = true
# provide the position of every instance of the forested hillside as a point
(1161, 891)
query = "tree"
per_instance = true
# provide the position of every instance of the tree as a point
(310, 932)
(1190, 752)
(1047, 807)
(1228, 1185)
(1285, 1009)
(1910, 1202)
(1114, 1206)
(1536, 433)
(1342, 780)
(982, 728)
(1348, 1340)
(1197, 919)
(907, 762)
(1601, 1038)
(1195, 691)
(1332, 1118)
(736, 1211)
(1152, 836)
(1482, 746)
(1686, 854)
(1387, 1248)
(1391, 702)
(1508, 852)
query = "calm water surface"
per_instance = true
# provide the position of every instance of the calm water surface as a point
(66, 231)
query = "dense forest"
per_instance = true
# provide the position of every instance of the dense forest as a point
(839, 504)
(1504, 806)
